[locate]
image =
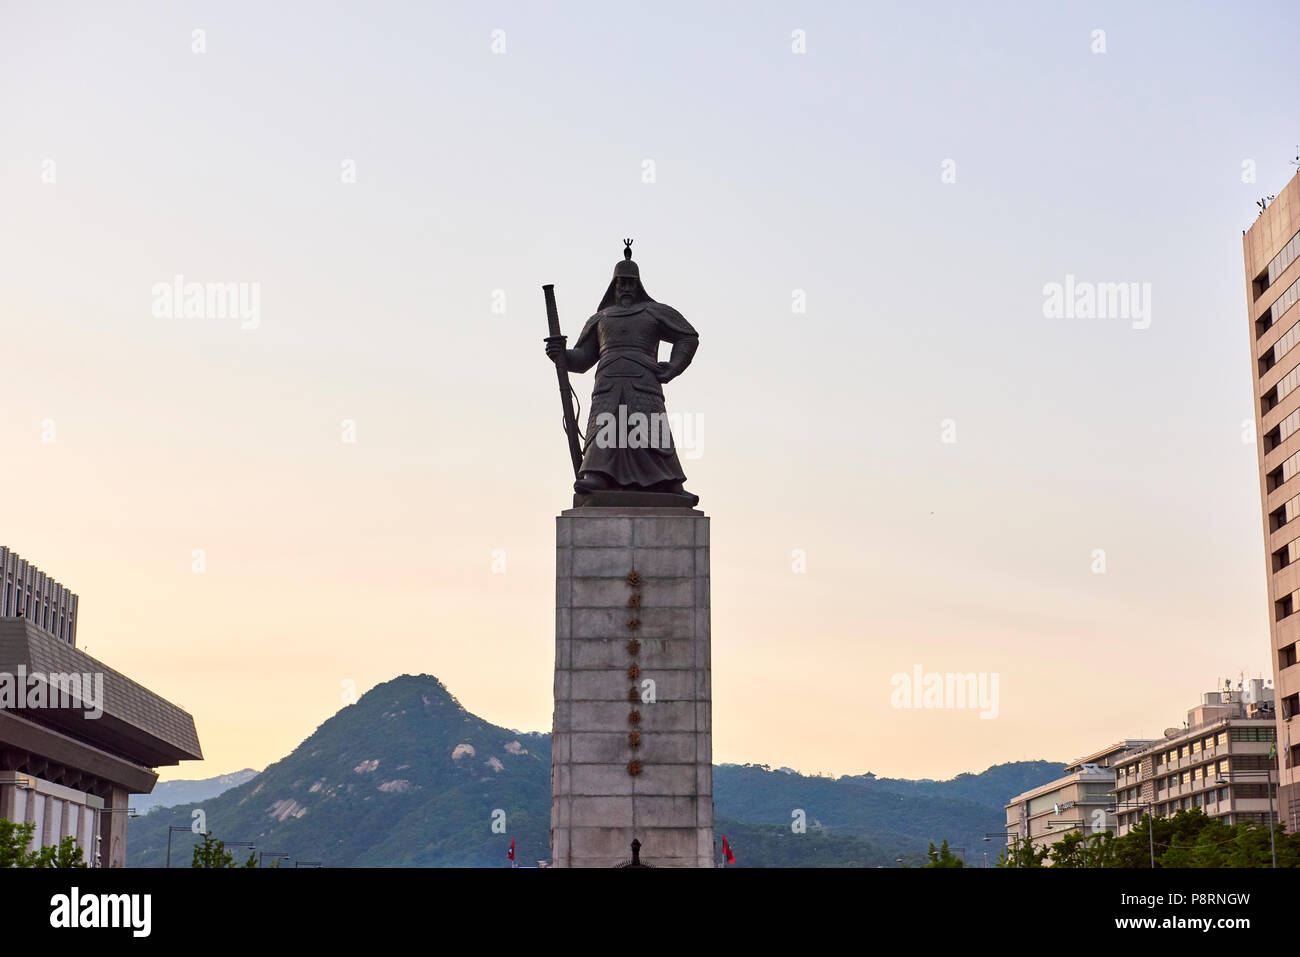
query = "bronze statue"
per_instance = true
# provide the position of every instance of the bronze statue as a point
(628, 455)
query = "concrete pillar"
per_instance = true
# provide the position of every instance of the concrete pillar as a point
(53, 818)
(9, 801)
(632, 684)
(68, 825)
(112, 829)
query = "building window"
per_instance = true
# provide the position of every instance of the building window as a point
(1284, 387)
(1284, 344)
(1274, 478)
(1277, 265)
(1282, 431)
(1275, 312)
(1254, 734)
(1283, 514)
(1284, 472)
(1283, 608)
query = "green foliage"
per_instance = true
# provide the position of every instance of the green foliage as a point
(898, 816)
(1022, 854)
(15, 839)
(943, 857)
(1080, 850)
(1187, 839)
(778, 846)
(213, 853)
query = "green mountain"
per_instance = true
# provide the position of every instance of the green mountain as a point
(408, 777)
(895, 818)
(404, 777)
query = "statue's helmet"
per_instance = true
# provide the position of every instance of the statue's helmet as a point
(625, 269)
(625, 266)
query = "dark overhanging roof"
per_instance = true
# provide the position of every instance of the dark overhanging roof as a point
(136, 724)
(20, 734)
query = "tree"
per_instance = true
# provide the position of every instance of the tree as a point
(1081, 850)
(943, 857)
(1022, 853)
(213, 853)
(67, 853)
(1250, 847)
(16, 839)
(1188, 838)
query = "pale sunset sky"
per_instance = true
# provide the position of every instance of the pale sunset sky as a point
(399, 179)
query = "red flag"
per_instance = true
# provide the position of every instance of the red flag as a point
(511, 855)
(726, 851)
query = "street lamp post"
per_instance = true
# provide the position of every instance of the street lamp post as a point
(251, 845)
(1083, 847)
(1015, 844)
(171, 828)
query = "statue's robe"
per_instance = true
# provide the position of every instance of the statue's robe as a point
(625, 341)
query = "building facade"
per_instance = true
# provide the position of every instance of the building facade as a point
(1080, 799)
(1271, 251)
(1220, 761)
(76, 737)
(27, 592)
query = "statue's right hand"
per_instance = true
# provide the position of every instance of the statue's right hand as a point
(554, 349)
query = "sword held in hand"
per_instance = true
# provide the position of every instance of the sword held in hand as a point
(562, 374)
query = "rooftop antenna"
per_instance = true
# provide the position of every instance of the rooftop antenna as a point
(1296, 162)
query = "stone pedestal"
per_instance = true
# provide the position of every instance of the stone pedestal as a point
(632, 684)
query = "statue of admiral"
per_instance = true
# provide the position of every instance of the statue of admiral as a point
(628, 445)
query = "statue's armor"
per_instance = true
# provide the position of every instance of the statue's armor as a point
(627, 342)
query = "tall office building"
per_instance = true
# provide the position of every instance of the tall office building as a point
(27, 592)
(1271, 248)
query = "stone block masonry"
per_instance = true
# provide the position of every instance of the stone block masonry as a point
(632, 752)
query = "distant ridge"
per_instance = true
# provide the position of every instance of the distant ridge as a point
(406, 777)
(169, 793)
